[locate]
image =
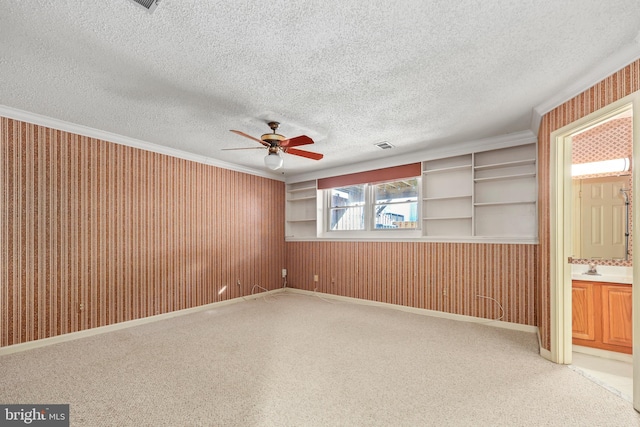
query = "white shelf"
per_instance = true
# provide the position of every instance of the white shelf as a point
(484, 196)
(444, 218)
(301, 210)
(501, 205)
(516, 202)
(506, 192)
(503, 177)
(507, 164)
(448, 192)
(426, 199)
(298, 199)
(449, 169)
(297, 190)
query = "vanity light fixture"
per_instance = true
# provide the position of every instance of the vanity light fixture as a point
(604, 166)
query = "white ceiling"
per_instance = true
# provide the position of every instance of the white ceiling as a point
(418, 74)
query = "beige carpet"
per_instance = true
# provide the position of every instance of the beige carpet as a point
(298, 360)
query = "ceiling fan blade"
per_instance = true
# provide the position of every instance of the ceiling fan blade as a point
(298, 140)
(250, 137)
(246, 148)
(303, 153)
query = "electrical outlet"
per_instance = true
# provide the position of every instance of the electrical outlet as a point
(315, 277)
(444, 292)
(238, 282)
(81, 307)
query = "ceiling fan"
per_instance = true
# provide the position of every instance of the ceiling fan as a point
(276, 144)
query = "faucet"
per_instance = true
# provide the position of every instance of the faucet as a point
(593, 269)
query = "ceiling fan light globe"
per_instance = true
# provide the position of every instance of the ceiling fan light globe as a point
(273, 161)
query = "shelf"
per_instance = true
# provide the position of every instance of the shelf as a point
(501, 208)
(517, 202)
(507, 164)
(443, 218)
(503, 177)
(297, 190)
(449, 169)
(301, 198)
(426, 199)
(301, 209)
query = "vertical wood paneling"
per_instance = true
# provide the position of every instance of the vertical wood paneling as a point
(95, 233)
(417, 275)
(618, 85)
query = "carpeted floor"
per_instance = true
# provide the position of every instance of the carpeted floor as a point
(298, 360)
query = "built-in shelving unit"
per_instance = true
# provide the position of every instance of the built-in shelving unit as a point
(301, 210)
(505, 192)
(489, 194)
(447, 196)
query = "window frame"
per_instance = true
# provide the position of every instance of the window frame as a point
(370, 231)
(327, 213)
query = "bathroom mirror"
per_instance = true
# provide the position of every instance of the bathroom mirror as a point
(600, 211)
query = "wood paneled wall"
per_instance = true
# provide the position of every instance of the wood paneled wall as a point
(620, 84)
(436, 276)
(94, 233)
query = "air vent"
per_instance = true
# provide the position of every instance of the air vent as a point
(150, 5)
(384, 145)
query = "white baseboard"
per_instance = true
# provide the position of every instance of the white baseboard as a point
(546, 354)
(123, 325)
(131, 323)
(424, 311)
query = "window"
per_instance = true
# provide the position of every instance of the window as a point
(380, 206)
(395, 204)
(346, 208)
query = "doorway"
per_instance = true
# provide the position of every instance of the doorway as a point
(562, 238)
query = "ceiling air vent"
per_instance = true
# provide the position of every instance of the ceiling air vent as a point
(150, 5)
(384, 145)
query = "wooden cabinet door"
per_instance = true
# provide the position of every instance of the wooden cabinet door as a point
(583, 315)
(616, 315)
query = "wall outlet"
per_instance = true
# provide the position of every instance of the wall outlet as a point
(80, 307)
(315, 277)
(238, 282)
(284, 272)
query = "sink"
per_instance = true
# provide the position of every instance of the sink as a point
(606, 273)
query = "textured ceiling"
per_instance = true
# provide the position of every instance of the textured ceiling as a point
(419, 74)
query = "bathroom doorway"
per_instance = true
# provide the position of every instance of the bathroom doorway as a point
(601, 264)
(563, 268)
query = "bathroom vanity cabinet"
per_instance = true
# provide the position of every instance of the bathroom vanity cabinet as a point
(602, 315)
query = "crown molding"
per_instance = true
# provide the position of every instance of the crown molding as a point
(448, 150)
(40, 120)
(599, 72)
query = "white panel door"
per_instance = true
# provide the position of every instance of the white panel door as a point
(603, 218)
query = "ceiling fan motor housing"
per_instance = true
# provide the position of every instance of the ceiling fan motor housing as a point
(273, 138)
